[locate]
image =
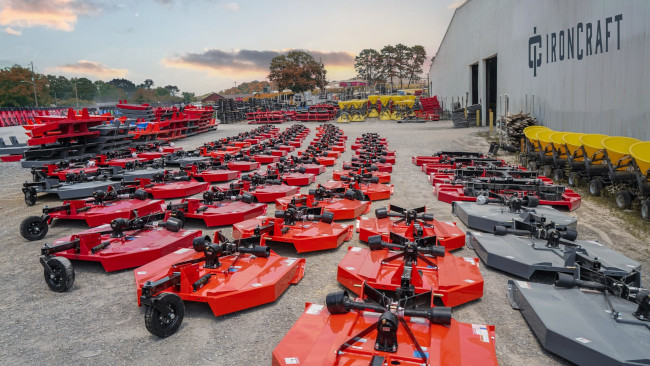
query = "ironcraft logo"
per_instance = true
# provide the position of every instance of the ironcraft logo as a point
(585, 39)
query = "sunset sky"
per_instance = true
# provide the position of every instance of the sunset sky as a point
(207, 45)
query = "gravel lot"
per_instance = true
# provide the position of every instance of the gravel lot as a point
(98, 321)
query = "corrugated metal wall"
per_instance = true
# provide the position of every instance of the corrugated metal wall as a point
(607, 91)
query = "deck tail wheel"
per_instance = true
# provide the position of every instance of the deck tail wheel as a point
(62, 277)
(30, 198)
(33, 228)
(165, 316)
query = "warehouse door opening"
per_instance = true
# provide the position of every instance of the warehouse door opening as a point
(474, 78)
(490, 87)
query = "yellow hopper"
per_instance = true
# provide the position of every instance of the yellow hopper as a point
(531, 134)
(543, 136)
(593, 144)
(357, 112)
(641, 154)
(344, 112)
(373, 110)
(557, 140)
(618, 149)
(572, 140)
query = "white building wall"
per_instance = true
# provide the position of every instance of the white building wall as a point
(608, 92)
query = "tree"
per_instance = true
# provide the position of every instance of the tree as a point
(148, 83)
(401, 58)
(368, 65)
(172, 90)
(17, 90)
(389, 63)
(85, 88)
(188, 97)
(416, 58)
(247, 87)
(297, 71)
(123, 84)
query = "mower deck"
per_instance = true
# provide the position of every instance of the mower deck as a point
(486, 217)
(306, 236)
(342, 208)
(456, 280)
(578, 324)
(222, 213)
(523, 256)
(372, 191)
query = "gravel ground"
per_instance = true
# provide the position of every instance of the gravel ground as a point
(98, 321)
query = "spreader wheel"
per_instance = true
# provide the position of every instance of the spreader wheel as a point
(574, 179)
(547, 171)
(62, 277)
(558, 175)
(532, 166)
(595, 187)
(166, 316)
(623, 200)
(645, 209)
(30, 198)
(33, 228)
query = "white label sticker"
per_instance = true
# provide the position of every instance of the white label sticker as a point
(142, 272)
(470, 260)
(314, 309)
(510, 257)
(290, 260)
(256, 284)
(182, 250)
(582, 340)
(355, 249)
(291, 361)
(350, 268)
(418, 320)
(469, 281)
(481, 331)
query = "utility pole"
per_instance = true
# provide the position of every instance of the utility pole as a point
(76, 96)
(100, 95)
(34, 84)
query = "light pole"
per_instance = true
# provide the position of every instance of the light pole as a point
(76, 96)
(34, 84)
(100, 94)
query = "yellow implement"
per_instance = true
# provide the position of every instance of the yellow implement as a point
(557, 140)
(572, 140)
(385, 113)
(344, 113)
(543, 136)
(531, 134)
(403, 109)
(618, 149)
(373, 111)
(641, 154)
(357, 111)
(593, 145)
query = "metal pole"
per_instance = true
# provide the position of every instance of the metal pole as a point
(76, 96)
(100, 94)
(34, 84)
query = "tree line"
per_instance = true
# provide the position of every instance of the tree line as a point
(17, 90)
(391, 63)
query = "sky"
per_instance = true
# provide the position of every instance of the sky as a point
(205, 46)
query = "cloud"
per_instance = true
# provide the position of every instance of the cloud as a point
(248, 61)
(54, 14)
(89, 68)
(230, 6)
(13, 32)
(455, 4)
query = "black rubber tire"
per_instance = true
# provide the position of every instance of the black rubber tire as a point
(381, 213)
(574, 179)
(335, 302)
(33, 228)
(547, 171)
(645, 209)
(30, 199)
(174, 224)
(63, 278)
(623, 200)
(532, 166)
(327, 217)
(140, 194)
(558, 175)
(164, 325)
(595, 187)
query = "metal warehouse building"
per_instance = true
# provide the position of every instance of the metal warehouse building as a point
(579, 65)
